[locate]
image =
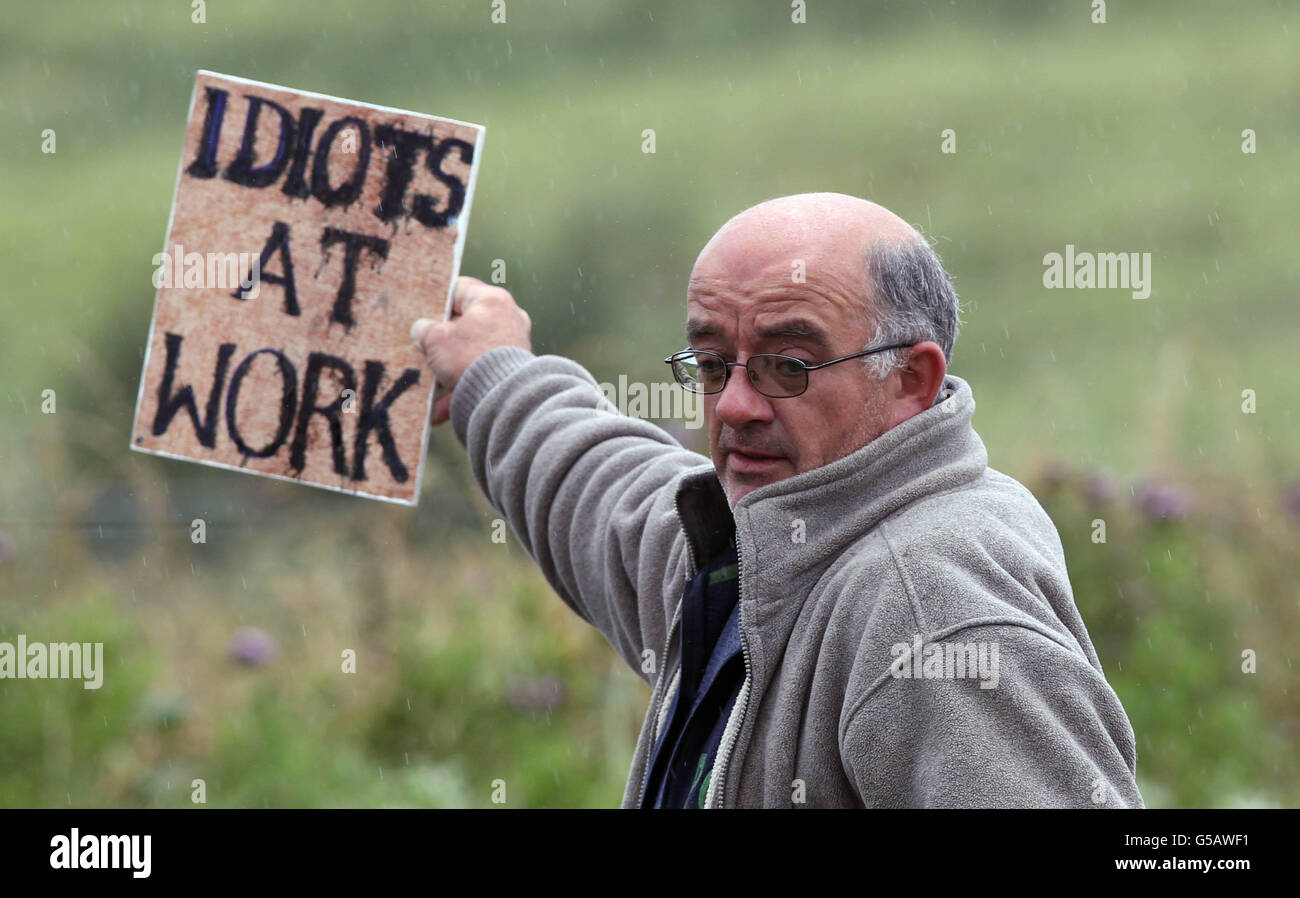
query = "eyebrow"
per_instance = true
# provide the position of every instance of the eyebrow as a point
(801, 328)
(796, 327)
(701, 330)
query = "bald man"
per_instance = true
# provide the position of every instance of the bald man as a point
(844, 606)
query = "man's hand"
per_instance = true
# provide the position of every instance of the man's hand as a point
(483, 317)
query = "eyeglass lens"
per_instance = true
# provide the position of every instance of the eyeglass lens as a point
(771, 375)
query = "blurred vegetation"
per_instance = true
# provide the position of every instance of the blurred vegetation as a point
(1122, 137)
(1192, 601)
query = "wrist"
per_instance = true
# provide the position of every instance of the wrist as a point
(482, 375)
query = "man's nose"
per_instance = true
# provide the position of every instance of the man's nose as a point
(740, 404)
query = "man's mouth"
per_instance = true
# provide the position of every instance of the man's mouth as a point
(752, 462)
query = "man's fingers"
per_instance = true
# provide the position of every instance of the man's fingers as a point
(470, 291)
(441, 409)
(425, 332)
(484, 318)
(460, 296)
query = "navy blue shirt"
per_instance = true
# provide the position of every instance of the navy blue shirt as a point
(712, 672)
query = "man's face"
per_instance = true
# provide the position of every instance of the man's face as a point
(742, 300)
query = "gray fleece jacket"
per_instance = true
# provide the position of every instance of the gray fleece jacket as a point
(909, 634)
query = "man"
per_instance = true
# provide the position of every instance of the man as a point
(846, 607)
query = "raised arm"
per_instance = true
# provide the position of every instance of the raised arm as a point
(588, 492)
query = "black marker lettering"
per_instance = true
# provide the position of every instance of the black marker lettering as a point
(311, 386)
(205, 163)
(288, 402)
(423, 206)
(169, 405)
(354, 244)
(346, 193)
(375, 417)
(241, 170)
(296, 184)
(406, 146)
(277, 242)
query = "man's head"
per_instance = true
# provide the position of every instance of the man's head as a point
(817, 276)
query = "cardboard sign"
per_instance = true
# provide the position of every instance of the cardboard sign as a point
(307, 233)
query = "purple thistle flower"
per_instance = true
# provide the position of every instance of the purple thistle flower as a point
(1099, 488)
(1053, 474)
(1164, 501)
(252, 647)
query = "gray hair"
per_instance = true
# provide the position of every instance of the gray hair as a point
(912, 300)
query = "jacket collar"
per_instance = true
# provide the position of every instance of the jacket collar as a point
(833, 506)
(837, 504)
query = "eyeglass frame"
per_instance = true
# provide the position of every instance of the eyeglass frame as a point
(806, 380)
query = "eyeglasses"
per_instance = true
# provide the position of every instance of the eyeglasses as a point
(775, 376)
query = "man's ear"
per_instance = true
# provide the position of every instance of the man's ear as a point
(919, 380)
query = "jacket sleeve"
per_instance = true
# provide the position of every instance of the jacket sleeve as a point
(1050, 733)
(588, 492)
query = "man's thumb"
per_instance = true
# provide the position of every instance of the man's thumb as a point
(419, 329)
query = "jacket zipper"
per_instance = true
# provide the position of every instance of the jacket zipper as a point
(730, 735)
(658, 709)
(656, 700)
